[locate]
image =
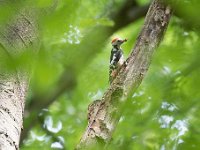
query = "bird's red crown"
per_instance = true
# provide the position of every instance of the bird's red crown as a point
(115, 39)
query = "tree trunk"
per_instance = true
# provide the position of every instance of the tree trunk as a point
(15, 37)
(104, 115)
(12, 96)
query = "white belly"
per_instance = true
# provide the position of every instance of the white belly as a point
(120, 62)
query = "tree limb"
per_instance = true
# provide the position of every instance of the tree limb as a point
(106, 115)
(135, 14)
(129, 13)
(64, 85)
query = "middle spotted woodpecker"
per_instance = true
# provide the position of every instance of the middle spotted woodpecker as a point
(116, 58)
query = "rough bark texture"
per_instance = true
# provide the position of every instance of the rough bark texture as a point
(12, 96)
(104, 115)
(17, 35)
(132, 14)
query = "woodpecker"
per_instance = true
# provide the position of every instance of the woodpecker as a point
(116, 58)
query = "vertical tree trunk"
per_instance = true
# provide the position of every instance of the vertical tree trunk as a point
(15, 37)
(12, 96)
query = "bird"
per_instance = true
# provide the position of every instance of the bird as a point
(116, 58)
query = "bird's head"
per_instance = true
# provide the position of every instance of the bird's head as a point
(118, 41)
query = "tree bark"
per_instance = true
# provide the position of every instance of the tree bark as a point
(133, 13)
(105, 114)
(15, 37)
(12, 96)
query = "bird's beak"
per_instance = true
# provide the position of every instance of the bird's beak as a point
(125, 40)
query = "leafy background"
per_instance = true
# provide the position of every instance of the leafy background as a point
(164, 111)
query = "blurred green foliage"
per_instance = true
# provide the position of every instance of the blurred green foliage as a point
(162, 114)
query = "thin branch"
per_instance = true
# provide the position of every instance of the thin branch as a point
(106, 115)
(129, 14)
